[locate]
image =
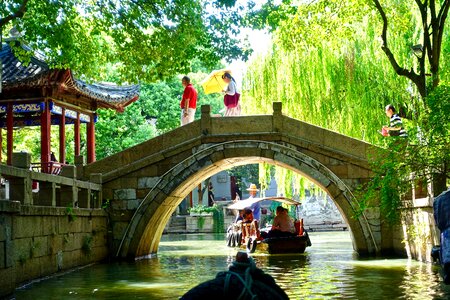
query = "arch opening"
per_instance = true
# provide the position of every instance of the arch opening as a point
(146, 227)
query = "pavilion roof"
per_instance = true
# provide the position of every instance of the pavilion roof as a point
(38, 74)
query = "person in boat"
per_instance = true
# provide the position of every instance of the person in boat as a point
(240, 216)
(243, 280)
(250, 222)
(234, 233)
(282, 224)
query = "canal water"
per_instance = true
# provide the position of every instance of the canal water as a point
(328, 270)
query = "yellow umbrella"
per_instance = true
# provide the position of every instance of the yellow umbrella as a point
(214, 83)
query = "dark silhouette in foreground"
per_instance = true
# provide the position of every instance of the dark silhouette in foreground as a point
(441, 208)
(243, 280)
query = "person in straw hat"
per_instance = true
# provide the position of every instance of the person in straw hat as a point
(256, 207)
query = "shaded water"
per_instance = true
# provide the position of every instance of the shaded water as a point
(328, 270)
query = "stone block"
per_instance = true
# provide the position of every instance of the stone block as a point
(357, 172)
(119, 229)
(180, 135)
(9, 206)
(119, 204)
(7, 284)
(2, 256)
(26, 226)
(95, 178)
(124, 194)
(22, 249)
(132, 204)
(71, 259)
(55, 243)
(49, 226)
(21, 160)
(128, 182)
(48, 265)
(147, 182)
(340, 171)
(150, 170)
(142, 193)
(38, 246)
(69, 171)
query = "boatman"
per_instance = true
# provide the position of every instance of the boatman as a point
(256, 207)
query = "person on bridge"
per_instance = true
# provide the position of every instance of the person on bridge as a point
(395, 127)
(188, 102)
(231, 97)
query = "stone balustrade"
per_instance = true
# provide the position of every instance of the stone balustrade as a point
(41, 189)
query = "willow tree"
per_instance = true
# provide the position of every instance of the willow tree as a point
(327, 68)
(143, 40)
(432, 148)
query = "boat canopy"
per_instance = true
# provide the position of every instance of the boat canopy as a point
(248, 202)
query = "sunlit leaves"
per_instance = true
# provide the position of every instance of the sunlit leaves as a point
(147, 40)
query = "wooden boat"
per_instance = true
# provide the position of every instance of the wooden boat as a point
(247, 235)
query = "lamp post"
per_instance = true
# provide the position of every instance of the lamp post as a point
(417, 50)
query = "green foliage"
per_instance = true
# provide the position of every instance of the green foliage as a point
(425, 154)
(71, 214)
(327, 68)
(249, 173)
(143, 40)
(218, 218)
(390, 181)
(199, 209)
(200, 222)
(86, 247)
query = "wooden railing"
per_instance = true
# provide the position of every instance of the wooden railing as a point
(21, 183)
(51, 167)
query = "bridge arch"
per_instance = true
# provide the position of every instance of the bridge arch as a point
(144, 231)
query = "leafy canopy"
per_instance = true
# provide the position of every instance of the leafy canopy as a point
(143, 40)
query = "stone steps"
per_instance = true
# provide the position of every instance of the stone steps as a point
(176, 224)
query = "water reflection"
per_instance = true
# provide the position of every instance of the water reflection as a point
(328, 270)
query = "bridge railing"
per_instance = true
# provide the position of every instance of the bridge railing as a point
(20, 183)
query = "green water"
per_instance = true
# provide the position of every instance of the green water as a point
(328, 270)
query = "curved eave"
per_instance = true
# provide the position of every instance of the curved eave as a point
(105, 95)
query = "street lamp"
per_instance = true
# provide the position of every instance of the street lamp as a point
(417, 50)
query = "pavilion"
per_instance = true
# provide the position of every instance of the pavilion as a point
(35, 95)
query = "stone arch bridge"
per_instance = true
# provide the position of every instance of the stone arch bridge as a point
(147, 182)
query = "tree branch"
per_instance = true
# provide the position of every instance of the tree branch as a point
(18, 14)
(399, 70)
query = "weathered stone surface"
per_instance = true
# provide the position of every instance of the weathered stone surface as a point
(191, 153)
(132, 204)
(147, 182)
(124, 194)
(21, 160)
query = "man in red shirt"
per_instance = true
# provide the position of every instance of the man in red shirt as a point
(188, 101)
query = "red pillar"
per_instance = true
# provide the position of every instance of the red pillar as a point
(90, 140)
(62, 137)
(9, 133)
(76, 137)
(45, 137)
